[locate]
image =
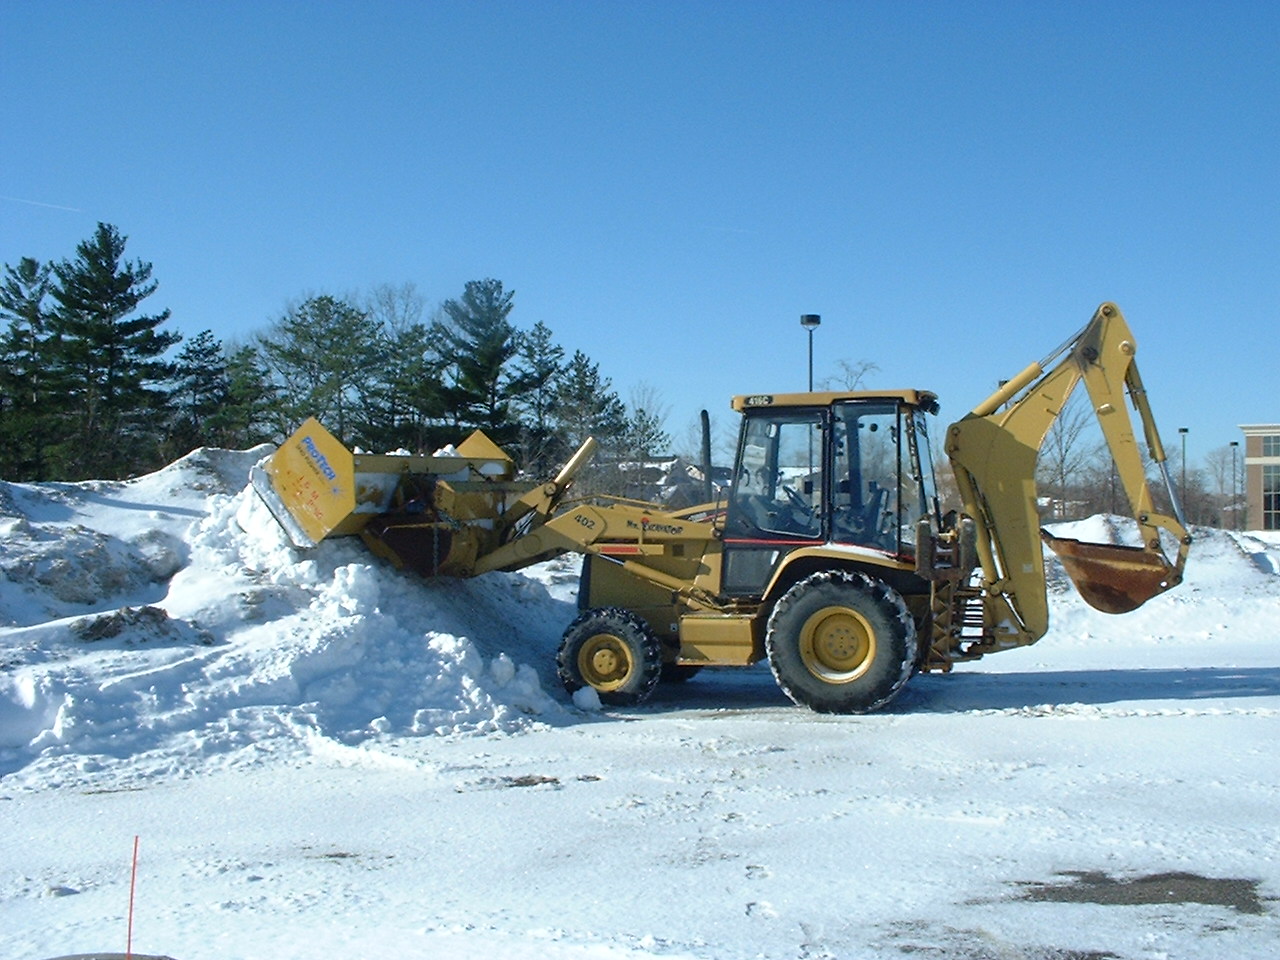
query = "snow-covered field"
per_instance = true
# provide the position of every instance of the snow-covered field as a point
(321, 757)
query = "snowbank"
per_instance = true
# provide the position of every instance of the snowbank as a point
(167, 620)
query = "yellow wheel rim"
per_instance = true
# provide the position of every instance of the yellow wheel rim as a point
(605, 662)
(837, 644)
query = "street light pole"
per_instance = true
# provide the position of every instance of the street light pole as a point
(1182, 492)
(810, 322)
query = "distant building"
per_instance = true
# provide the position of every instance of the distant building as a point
(672, 482)
(1262, 475)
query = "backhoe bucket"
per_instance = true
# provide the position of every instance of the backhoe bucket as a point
(1111, 577)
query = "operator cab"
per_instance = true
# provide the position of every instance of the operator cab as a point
(838, 469)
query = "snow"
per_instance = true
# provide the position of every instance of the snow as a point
(322, 757)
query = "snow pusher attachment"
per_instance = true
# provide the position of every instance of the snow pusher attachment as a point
(434, 515)
(994, 451)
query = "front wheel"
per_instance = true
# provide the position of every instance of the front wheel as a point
(613, 651)
(841, 642)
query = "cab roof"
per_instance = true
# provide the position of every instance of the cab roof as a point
(924, 399)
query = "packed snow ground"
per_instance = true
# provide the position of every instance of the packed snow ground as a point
(324, 758)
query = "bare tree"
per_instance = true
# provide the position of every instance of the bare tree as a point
(1221, 468)
(1199, 503)
(724, 440)
(850, 375)
(1066, 451)
(647, 420)
(403, 409)
(948, 491)
(396, 308)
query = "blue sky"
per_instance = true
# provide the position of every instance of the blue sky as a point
(953, 186)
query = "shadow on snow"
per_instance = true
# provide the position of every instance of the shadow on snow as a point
(963, 691)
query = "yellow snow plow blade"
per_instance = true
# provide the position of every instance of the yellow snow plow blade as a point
(308, 484)
(316, 488)
(436, 515)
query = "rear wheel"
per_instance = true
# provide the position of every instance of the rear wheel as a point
(613, 651)
(841, 642)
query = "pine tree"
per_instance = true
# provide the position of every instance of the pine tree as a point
(25, 408)
(646, 435)
(201, 389)
(477, 343)
(325, 354)
(410, 385)
(539, 364)
(247, 416)
(109, 361)
(587, 406)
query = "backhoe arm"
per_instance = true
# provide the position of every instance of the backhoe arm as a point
(993, 453)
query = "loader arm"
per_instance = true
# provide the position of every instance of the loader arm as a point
(617, 532)
(993, 452)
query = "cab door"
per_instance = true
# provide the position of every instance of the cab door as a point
(779, 495)
(880, 486)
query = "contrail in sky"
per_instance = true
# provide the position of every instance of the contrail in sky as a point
(37, 203)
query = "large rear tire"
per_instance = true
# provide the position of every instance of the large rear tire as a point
(613, 651)
(841, 642)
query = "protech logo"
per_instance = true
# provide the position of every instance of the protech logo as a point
(321, 461)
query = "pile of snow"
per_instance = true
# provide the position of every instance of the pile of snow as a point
(168, 619)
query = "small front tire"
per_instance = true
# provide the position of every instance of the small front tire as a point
(612, 651)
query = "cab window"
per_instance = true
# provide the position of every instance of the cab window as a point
(867, 447)
(779, 488)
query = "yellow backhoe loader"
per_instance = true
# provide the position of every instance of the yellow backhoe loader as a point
(830, 556)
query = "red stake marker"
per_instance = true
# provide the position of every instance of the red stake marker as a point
(133, 882)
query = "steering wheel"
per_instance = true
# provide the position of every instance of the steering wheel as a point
(797, 501)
